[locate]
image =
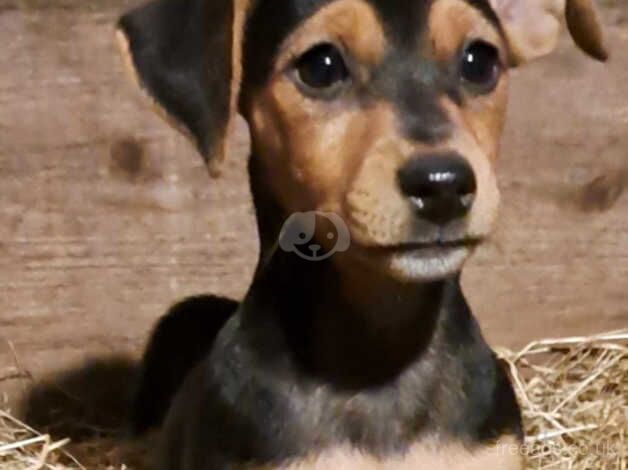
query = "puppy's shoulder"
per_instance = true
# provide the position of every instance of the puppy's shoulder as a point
(223, 413)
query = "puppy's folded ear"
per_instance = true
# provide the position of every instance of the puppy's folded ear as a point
(185, 54)
(532, 27)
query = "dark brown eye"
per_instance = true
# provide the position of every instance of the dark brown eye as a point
(322, 68)
(481, 66)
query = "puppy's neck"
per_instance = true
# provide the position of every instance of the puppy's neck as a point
(348, 325)
(339, 319)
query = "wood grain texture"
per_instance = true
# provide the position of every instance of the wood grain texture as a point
(107, 216)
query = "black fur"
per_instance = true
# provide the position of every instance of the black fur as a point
(181, 339)
(271, 391)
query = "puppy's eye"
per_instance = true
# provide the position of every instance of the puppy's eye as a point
(481, 66)
(322, 68)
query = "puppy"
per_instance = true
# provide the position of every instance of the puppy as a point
(376, 120)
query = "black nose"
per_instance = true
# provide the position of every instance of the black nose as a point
(441, 187)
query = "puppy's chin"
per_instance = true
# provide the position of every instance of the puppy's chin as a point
(415, 264)
(427, 264)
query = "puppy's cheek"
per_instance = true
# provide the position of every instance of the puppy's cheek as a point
(376, 211)
(279, 128)
(268, 147)
(485, 209)
(319, 143)
(486, 117)
(481, 219)
(265, 135)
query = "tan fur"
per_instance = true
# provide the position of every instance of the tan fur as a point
(479, 125)
(505, 455)
(309, 162)
(349, 23)
(467, 139)
(452, 22)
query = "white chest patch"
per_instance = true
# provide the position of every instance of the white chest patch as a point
(504, 455)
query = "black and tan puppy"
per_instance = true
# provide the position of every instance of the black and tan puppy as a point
(384, 115)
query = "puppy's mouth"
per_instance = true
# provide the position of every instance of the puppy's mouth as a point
(431, 248)
(423, 261)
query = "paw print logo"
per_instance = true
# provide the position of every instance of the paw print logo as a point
(297, 235)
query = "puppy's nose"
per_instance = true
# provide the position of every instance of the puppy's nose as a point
(441, 187)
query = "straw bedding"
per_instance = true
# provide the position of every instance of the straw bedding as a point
(573, 391)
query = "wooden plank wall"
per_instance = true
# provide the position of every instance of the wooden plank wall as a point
(107, 216)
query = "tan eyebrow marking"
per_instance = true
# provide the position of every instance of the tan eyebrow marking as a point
(452, 22)
(353, 24)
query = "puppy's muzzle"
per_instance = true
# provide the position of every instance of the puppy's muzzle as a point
(441, 188)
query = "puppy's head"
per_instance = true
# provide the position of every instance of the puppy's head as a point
(387, 113)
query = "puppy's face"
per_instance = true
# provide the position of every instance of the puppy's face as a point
(389, 115)
(385, 113)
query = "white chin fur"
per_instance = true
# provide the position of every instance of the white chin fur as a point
(418, 266)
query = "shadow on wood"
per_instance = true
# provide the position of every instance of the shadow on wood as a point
(88, 402)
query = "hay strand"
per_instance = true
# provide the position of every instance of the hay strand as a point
(574, 395)
(23, 448)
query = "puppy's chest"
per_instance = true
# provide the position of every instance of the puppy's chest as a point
(389, 433)
(502, 455)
